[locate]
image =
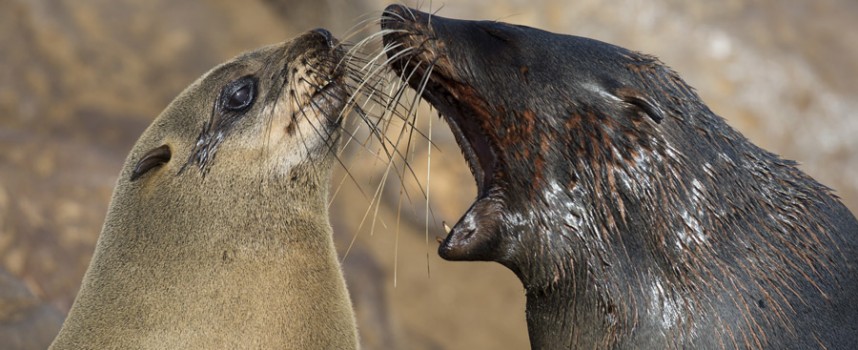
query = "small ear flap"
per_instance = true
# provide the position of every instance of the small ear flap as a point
(151, 160)
(641, 101)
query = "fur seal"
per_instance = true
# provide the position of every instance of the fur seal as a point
(634, 216)
(217, 235)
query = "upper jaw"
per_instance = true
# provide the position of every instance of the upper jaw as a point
(458, 103)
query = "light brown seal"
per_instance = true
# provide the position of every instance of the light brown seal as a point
(217, 235)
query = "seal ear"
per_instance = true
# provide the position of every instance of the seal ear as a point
(641, 101)
(151, 160)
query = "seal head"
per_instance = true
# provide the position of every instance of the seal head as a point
(634, 216)
(217, 235)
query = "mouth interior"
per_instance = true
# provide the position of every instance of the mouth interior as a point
(458, 103)
(463, 118)
(413, 47)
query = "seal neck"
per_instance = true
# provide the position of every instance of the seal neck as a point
(550, 321)
(565, 315)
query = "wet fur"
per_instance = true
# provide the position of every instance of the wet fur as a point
(228, 243)
(634, 216)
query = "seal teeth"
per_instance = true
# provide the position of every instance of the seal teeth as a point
(446, 227)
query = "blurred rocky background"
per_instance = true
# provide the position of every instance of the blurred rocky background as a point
(80, 80)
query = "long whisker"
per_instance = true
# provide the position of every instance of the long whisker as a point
(428, 210)
(382, 97)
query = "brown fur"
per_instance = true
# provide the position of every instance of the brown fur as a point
(234, 250)
(633, 215)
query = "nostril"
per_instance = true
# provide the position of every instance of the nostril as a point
(329, 38)
(396, 10)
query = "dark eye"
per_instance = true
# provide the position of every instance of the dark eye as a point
(239, 94)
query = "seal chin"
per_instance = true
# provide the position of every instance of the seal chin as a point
(476, 236)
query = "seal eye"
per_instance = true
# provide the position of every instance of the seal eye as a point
(238, 95)
(240, 98)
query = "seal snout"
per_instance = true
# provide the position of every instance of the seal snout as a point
(399, 24)
(323, 91)
(395, 16)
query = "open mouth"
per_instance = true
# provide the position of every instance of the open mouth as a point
(457, 105)
(419, 55)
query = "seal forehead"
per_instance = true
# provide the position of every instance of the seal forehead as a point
(248, 63)
(275, 82)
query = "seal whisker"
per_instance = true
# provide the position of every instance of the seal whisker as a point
(372, 38)
(331, 144)
(412, 112)
(250, 230)
(427, 203)
(385, 174)
(394, 99)
(399, 115)
(350, 101)
(363, 85)
(379, 68)
(371, 84)
(369, 20)
(382, 137)
(393, 14)
(308, 154)
(390, 110)
(618, 198)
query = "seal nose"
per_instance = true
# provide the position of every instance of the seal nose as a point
(329, 38)
(393, 16)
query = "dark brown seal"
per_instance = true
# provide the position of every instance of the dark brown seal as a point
(634, 216)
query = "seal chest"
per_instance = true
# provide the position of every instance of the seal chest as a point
(634, 216)
(217, 235)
